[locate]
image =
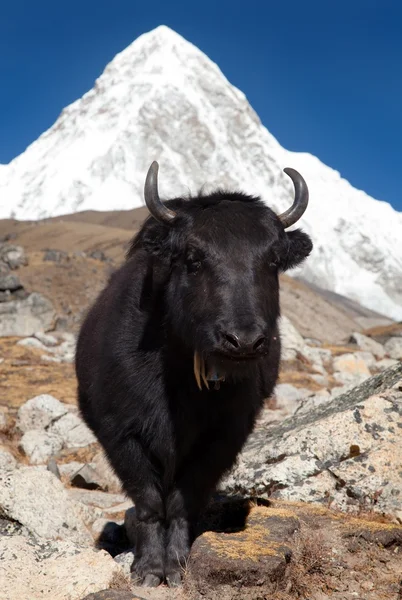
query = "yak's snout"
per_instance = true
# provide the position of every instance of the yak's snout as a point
(241, 343)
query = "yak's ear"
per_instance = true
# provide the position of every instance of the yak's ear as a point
(163, 241)
(298, 246)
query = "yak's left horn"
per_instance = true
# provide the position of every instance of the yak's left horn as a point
(293, 214)
(154, 204)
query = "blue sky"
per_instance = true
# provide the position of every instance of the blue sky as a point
(325, 77)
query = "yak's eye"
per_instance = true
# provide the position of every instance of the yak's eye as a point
(193, 265)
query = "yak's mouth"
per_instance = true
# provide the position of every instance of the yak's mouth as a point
(213, 370)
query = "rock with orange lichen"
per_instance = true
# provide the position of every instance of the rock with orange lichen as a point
(254, 556)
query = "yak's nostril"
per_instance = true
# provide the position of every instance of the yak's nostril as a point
(232, 339)
(259, 341)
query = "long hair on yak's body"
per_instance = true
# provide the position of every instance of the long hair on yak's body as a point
(178, 353)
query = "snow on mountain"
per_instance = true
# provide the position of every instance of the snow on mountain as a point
(163, 99)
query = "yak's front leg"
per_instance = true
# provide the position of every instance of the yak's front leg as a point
(179, 537)
(144, 486)
(150, 535)
(194, 486)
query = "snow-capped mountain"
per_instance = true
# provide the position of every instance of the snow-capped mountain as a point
(163, 99)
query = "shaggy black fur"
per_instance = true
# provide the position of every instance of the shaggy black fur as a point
(208, 282)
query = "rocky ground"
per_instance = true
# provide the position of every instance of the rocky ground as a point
(313, 509)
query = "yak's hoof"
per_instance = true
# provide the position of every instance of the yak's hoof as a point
(151, 580)
(174, 579)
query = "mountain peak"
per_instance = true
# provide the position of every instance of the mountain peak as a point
(163, 99)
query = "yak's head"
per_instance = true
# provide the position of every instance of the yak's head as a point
(223, 253)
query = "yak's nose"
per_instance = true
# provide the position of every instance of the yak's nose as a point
(243, 342)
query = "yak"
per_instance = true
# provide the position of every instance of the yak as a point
(178, 353)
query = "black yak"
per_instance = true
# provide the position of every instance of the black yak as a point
(179, 351)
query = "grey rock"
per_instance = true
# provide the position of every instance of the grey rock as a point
(288, 397)
(346, 449)
(21, 318)
(367, 344)
(7, 460)
(98, 255)
(46, 339)
(37, 499)
(320, 379)
(32, 569)
(3, 415)
(51, 358)
(307, 405)
(13, 256)
(125, 560)
(368, 358)
(292, 341)
(71, 428)
(39, 446)
(88, 513)
(59, 352)
(393, 347)
(346, 378)
(53, 468)
(113, 595)
(96, 498)
(54, 255)
(86, 478)
(69, 469)
(385, 363)
(350, 364)
(10, 282)
(110, 481)
(31, 342)
(40, 412)
(321, 358)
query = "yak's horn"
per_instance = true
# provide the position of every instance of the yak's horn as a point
(154, 204)
(293, 214)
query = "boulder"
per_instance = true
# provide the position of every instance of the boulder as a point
(13, 256)
(32, 569)
(40, 412)
(4, 416)
(367, 344)
(7, 460)
(9, 282)
(393, 347)
(321, 358)
(109, 479)
(31, 342)
(289, 397)
(73, 431)
(21, 318)
(351, 364)
(385, 363)
(254, 558)
(368, 358)
(125, 560)
(37, 499)
(348, 450)
(112, 595)
(292, 341)
(46, 339)
(86, 477)
(39, 446)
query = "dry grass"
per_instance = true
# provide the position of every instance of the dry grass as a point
(310, 562)
(120, 581)
(24, 374)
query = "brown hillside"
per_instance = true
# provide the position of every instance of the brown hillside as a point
(74, 282)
